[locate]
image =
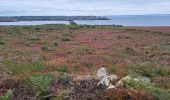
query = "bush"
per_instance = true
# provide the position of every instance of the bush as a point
(73, 27)
(16, 69)
(63, 68)
(65, 39)
(85, 49)
(150, 69)
(157, 93)
(55, 44)
(68, 34)
(7, 96)
(44, 48)
(41, 81)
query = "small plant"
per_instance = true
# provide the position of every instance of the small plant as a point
(44, 48)
(42, 81)
(33, 38)
(129, 50)
(63, 68)
(150, 69)
(157, 93)
(85, 49)
(30, 39)
(74, 68)
(7, 96)
(55, 44)
(68, 34)
(73, 27)
(16, 69)
(65, 39)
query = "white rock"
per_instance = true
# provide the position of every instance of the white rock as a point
(113, 77)
(101, 72)
(119, 84)
(111, 86)
(105, 79)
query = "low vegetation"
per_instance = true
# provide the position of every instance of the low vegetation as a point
(41, 81)
(21, 68)
(34, 54)
(7, 96)
(157, 93)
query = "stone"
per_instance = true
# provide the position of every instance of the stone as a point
(101, 72)
(105, 79)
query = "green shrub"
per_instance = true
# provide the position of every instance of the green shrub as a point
(129, 50)
(157, 93)
(55, 44)
(73, 27)
(85, 49)
(150, 69)
(68, 34)
(7, 96)
(42, 81)
(34, 66)
(63, 68)
(16, 69)
(33, 38)
(44, 48)
(65, 39)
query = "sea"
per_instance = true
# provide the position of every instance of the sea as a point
(125, 20)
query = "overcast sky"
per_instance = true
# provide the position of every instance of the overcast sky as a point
(83, 7)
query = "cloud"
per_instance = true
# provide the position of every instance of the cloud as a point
(83, 7)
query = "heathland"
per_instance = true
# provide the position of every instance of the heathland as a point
(44, 61)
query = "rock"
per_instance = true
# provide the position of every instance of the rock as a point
(119, 84)
(143, 78)
(105, 79)
(101, 72)
(113, 77)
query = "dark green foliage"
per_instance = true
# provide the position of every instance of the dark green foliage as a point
(63, 68)
(44, 48)
(55, 44)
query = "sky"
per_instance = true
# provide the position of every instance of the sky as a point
(83, 7)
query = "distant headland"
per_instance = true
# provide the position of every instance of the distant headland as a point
(50, 18)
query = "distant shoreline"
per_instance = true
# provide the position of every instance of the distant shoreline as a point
(49, 18)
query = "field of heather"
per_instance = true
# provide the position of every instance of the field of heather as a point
(54, 62)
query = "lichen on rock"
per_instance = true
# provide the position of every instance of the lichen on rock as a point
(105, 79)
